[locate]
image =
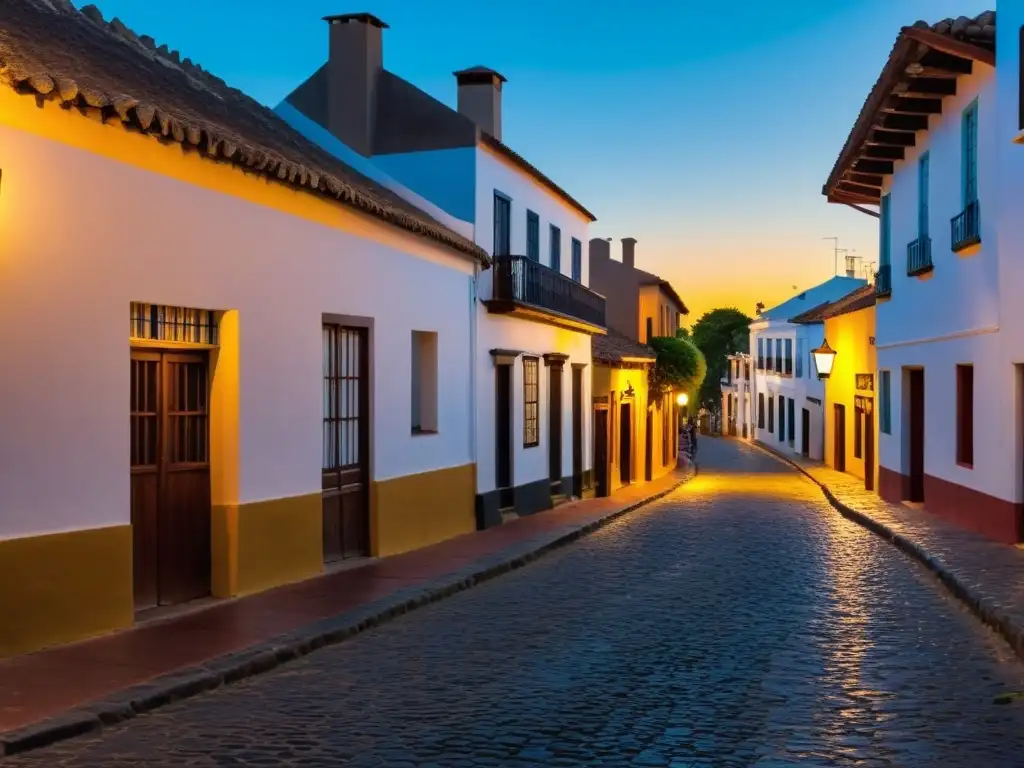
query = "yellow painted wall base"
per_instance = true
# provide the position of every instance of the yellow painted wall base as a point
(265, 544)
(63, 587)
(418, 510)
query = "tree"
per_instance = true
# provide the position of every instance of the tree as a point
(680, 367)
(718, 333)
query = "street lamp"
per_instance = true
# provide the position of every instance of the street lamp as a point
(824, 357)
(682, 398)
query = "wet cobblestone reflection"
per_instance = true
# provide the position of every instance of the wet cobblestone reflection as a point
(738, 622)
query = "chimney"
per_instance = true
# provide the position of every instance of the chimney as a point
(354, 65)
(629, 251)
(599, 249)
(480, 98)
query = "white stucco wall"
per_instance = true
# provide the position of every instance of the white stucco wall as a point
(82, 236)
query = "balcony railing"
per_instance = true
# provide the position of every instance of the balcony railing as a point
(919, 256)
(965, 227)
(883, 281)
(519, 281)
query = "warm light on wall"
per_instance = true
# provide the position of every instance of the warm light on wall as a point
(824, 357)
(682, 398)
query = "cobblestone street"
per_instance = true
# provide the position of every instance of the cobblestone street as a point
(740, 621)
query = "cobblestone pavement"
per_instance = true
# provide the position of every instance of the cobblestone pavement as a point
(738, 622)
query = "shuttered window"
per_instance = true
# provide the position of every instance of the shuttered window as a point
(502, 225)
(577, 260)
(532, 236)
(965, 415)
(884, 227)
(789, 357)
(969, 136)
(760, 410)
(771, 414)
(922, 195)
(531, 402)
(884, 403)
(556, 248)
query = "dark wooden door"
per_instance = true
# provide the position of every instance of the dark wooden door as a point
(869, 446)
(577, 431)
(346, 438)
(503, 433)
(649, 447)
(601, 452)
(805, 433)
(555, 427)
(839, 438)
(170, 477)
(625, 444)
(916, 438)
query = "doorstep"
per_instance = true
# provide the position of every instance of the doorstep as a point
(62, 692)
(984, 574)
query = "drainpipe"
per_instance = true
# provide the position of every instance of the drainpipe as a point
(473, 355)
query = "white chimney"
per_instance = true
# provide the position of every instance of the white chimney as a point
(480, 98)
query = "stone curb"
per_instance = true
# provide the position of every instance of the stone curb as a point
(272, 653)
(983, 607)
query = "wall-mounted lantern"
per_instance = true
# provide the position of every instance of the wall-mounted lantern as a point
(682, 398)
(824, 357)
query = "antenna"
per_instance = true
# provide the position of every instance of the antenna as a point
(835, 254)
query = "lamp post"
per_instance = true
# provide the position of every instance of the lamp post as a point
(824, 357)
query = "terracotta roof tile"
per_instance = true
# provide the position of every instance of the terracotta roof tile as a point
(855, 300)
(614, 348)
(49, 48)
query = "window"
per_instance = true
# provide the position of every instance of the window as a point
(1020, 95)
(502, 225)
(771, 414)
(532, 236)
(650, 329)
(965, 415)
(884, 403)
(792, 421)
(556, 248)
(789, 357)
(922, 195)
(782, 419)
(760, 354)
(769, 359)
(884, 227)
(531, 406)
(858, 432)
(969, 137)
(577, 260)
(778, 355)
(746, 371)
(760, 410)
(800, 358)
(424, 382)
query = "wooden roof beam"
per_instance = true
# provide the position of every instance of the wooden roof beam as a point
(882, 152)
(902, 105)
(897, 122)
(937, 61)
(951, 46)
(926, 86)
(857, 190)
(883, 167)
(867, 179)
(892, 138)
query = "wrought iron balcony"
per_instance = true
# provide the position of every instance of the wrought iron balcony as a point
(529, 289)
(919, 256)
(883, 281)
(965, 227)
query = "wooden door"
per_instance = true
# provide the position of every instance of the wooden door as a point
(601, 452)
(915, 395)
(625, 444)
(839, 438)
(170, 477)
(503, 434)
(805, 433)
(869, 446)
(649, 447)
(555, 427)
(577, 431)
(346, 437)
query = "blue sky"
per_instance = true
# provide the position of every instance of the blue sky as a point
(706, 135)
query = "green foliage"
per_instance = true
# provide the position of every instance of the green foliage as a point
(718, 333)
(682, 333)
(680, 366)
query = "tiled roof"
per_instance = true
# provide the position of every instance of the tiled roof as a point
(861, 298)
(969, 39)
(50, 49)
(615, 348)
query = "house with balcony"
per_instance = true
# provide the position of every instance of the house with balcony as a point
(533, 314)
(635, 432)
(737, 389)
(787, 396)
(933, 150)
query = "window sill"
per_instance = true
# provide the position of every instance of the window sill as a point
(965, 465)
(417, 432)
(531, 445)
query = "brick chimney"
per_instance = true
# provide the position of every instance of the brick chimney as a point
(629, 251)
(480, 98)
(354, 65)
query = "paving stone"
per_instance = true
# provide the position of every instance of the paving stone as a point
(739, 621)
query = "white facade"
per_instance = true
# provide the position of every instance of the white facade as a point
(118, 234)
(738, 396)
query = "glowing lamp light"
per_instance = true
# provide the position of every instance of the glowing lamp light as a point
(824, 357)
(682, 398)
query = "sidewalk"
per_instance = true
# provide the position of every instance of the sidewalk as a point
(60, 693)
(986, 575)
